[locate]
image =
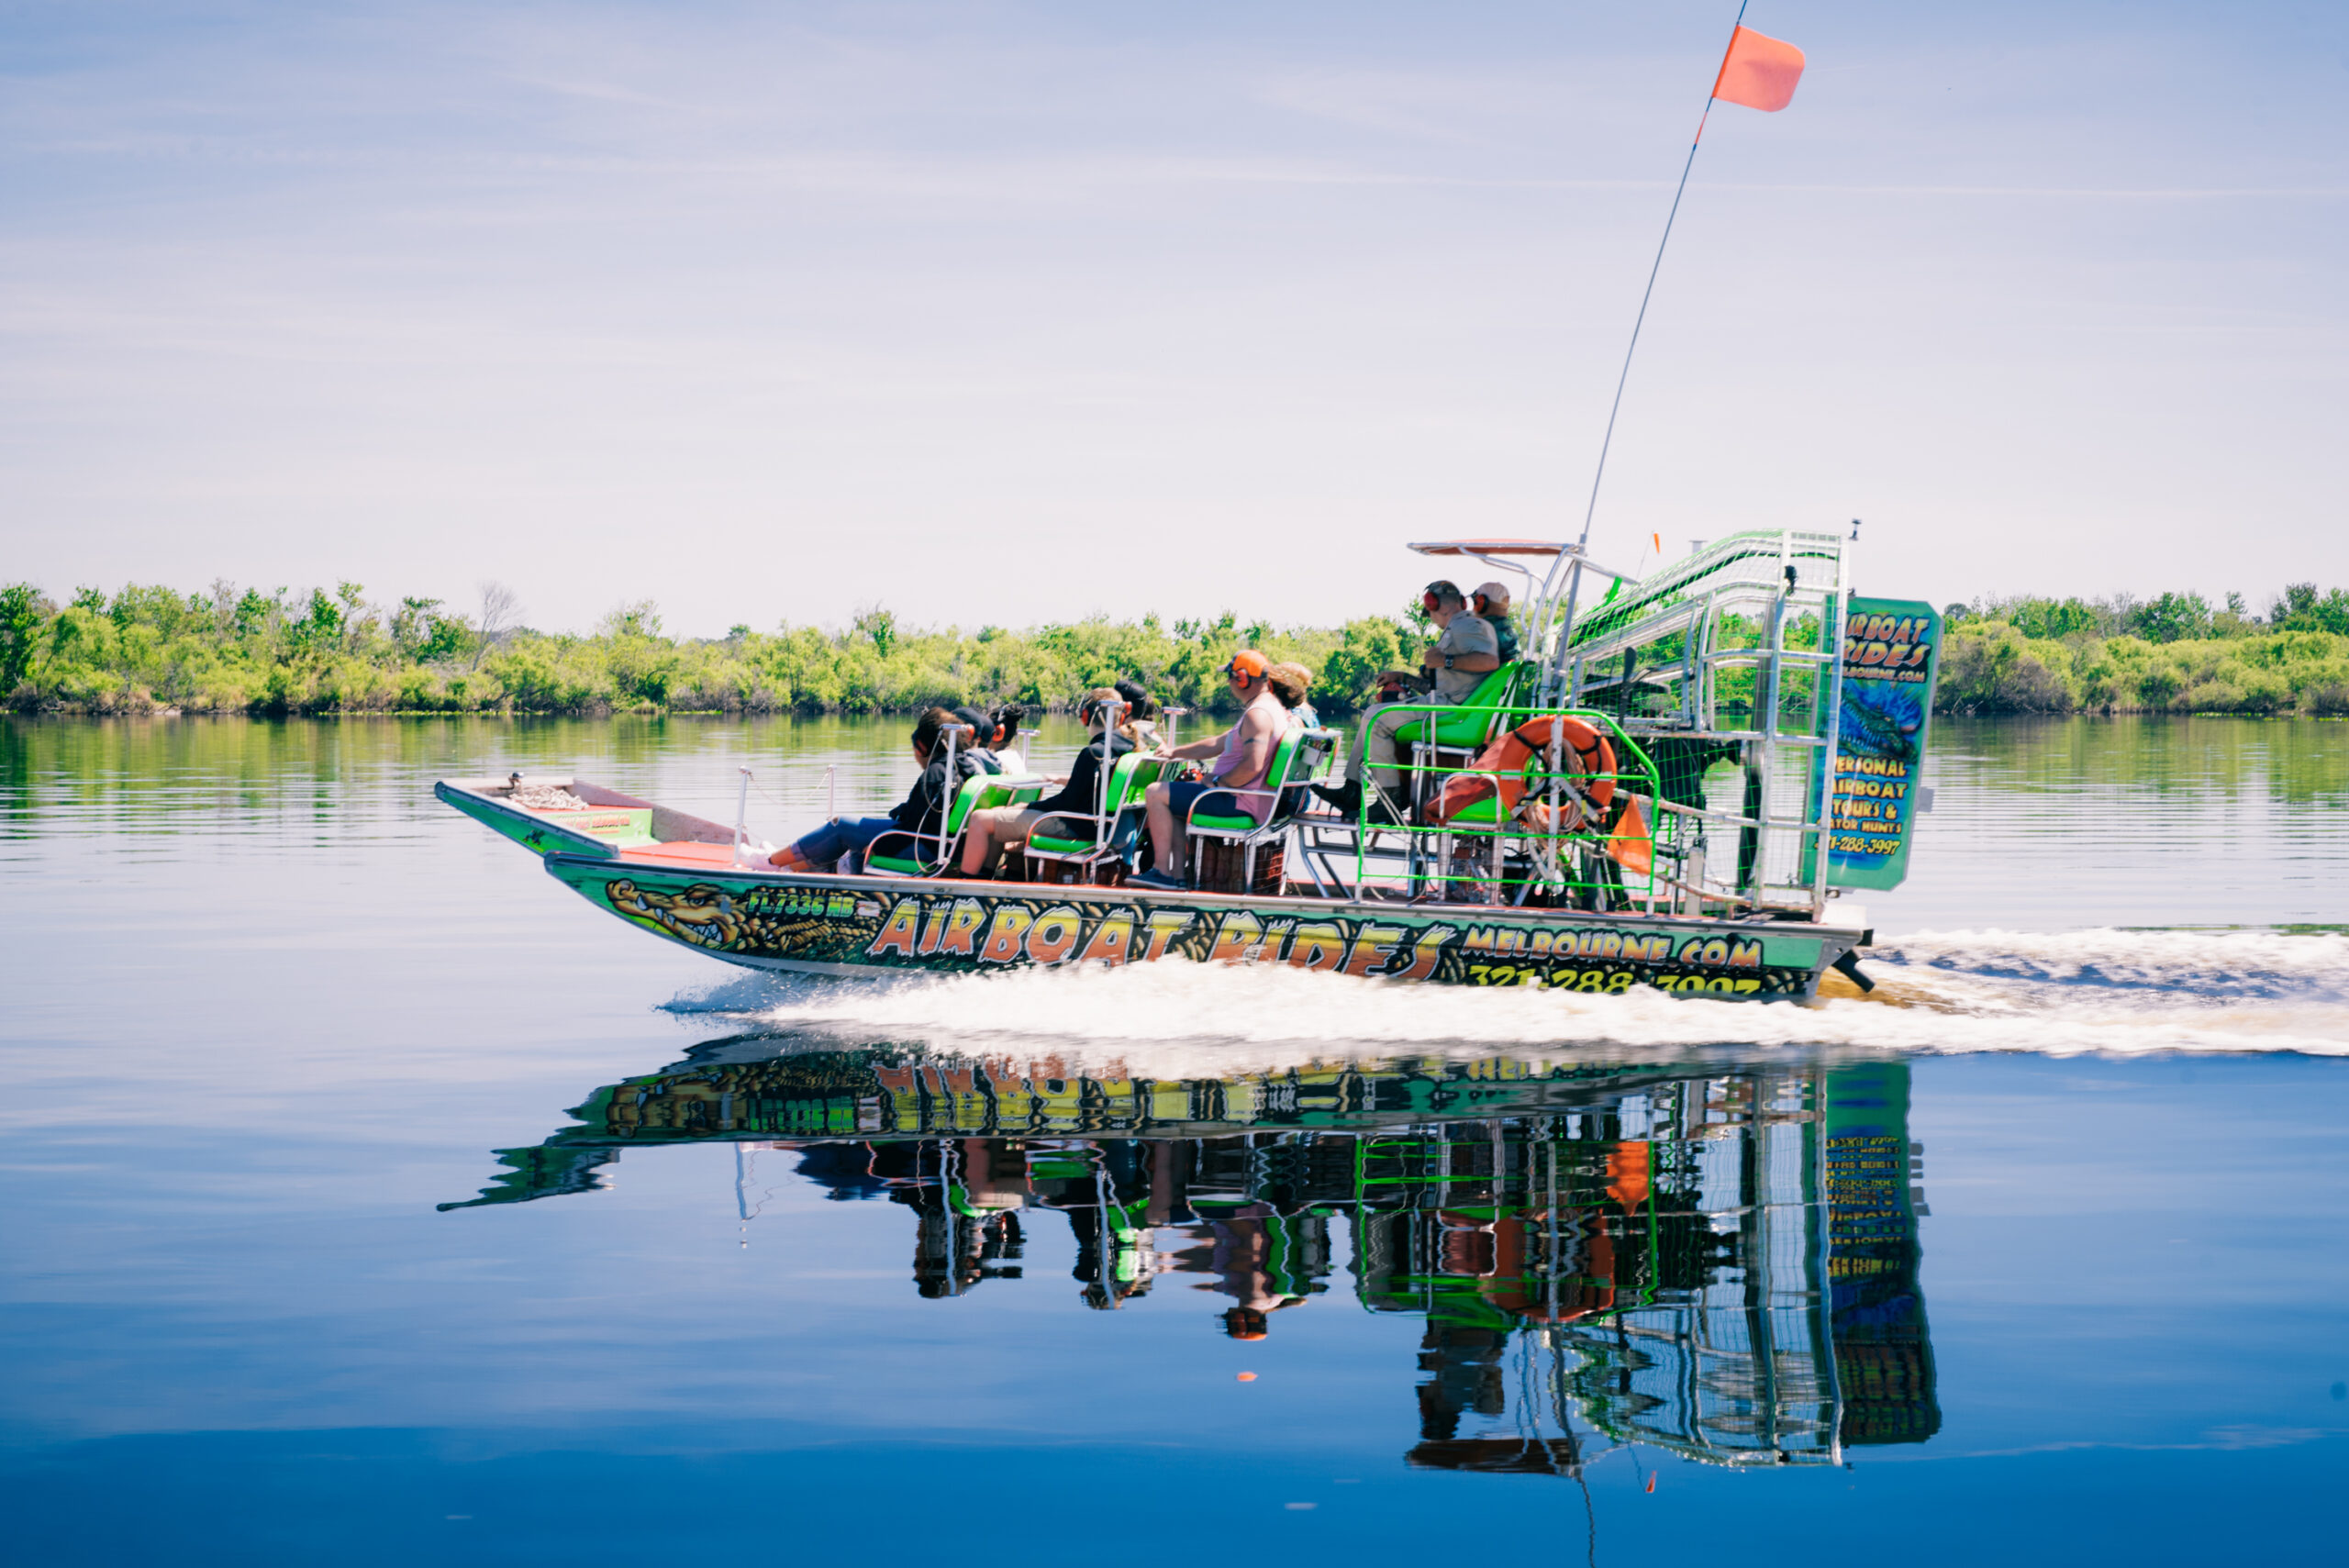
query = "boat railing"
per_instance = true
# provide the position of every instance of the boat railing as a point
(1550, 830)
(1726, 667)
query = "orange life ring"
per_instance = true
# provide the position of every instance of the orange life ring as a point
(1585, 751)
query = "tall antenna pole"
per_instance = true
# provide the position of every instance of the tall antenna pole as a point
(1582, 546)
(1624, 380)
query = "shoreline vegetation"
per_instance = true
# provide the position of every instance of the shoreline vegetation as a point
(152, 649)
(2170, 654)
(149, 650)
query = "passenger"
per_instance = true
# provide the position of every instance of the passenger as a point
(1450, 670)
(1005, 743)
(1235, 784)
(1290, 683)
(996, 832)
(982, 728)
(1142, 713)
(923, 810)
(1490, 603)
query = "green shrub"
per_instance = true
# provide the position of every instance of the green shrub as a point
(1990, 667)
(232, 650)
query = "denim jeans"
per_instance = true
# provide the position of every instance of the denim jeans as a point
(823, 848)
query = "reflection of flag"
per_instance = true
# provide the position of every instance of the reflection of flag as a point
(1759, 72)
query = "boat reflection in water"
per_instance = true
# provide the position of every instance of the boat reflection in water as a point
(1721, 1263)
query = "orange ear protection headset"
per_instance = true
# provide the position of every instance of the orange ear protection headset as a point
(1446, 586)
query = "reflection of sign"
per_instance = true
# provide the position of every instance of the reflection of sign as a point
(1884, 1360)
(960, 931)
(1891, 654)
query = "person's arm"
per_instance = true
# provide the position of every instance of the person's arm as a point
(922, 801)
(1473, 663)
(1197, 750)
(1255, 754)
(1467, 645)
(1075, 792)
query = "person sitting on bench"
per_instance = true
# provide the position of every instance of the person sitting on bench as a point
(1142, 713)
(996, 832)
(1450, 671)
(1005, 742)
(984, 730)
(1489, 604)
(1290, 683)
(1235, 784)
(923, 811)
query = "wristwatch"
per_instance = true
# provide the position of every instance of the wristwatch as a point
(1447, 660)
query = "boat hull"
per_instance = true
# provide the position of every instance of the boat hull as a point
(869, 926)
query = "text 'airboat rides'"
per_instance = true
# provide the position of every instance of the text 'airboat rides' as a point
(1670, 785)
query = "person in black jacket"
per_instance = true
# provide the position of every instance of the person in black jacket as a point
(923, 811)
(994, 833)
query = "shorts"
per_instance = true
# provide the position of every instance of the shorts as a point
(1191, 795)
(1011, 825)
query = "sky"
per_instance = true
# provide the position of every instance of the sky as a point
(1017, 313)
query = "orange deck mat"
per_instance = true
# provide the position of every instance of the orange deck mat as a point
(685, 852)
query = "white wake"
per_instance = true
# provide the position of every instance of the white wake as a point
(2117, 992)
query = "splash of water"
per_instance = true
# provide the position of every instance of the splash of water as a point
(2108, 991)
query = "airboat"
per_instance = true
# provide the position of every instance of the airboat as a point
(1674, 788)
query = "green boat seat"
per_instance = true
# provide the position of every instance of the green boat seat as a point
(1294, 760)
(1298, 757)
(1129, 777)
(1484, 813)
(1470, 722)
(1048, 844)
(982, 792)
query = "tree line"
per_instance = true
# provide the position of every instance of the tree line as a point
(230, 649)
(2173, 653)
(238, 650)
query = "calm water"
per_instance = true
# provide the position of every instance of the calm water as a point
(271, 1008)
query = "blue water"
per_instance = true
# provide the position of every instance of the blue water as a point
(270, 1006)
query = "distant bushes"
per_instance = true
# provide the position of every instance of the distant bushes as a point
(2173, 655)
(147, 649)
(230, 650)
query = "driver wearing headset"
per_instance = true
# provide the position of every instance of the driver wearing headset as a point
(1449, 672)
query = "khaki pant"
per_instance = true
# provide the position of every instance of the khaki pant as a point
(1377, 750)
(1007, 829)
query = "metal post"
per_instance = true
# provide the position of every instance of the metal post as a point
(743, 818)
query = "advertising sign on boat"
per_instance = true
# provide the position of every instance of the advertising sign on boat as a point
(1891, 656)
(824, 926)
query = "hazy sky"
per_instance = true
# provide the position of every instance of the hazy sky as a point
(1016, 312)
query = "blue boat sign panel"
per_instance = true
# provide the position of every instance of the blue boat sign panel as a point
(1892, 654)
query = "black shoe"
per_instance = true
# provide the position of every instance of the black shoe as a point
(1346, 798)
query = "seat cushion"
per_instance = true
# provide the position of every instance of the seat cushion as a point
(1224, 824)
(1462, 727)
(1054, 846)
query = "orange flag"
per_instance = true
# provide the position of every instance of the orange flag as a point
(1759, 72)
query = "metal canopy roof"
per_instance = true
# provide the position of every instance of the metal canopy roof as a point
(1491, 547)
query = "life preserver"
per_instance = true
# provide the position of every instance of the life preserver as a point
(1502, 765)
